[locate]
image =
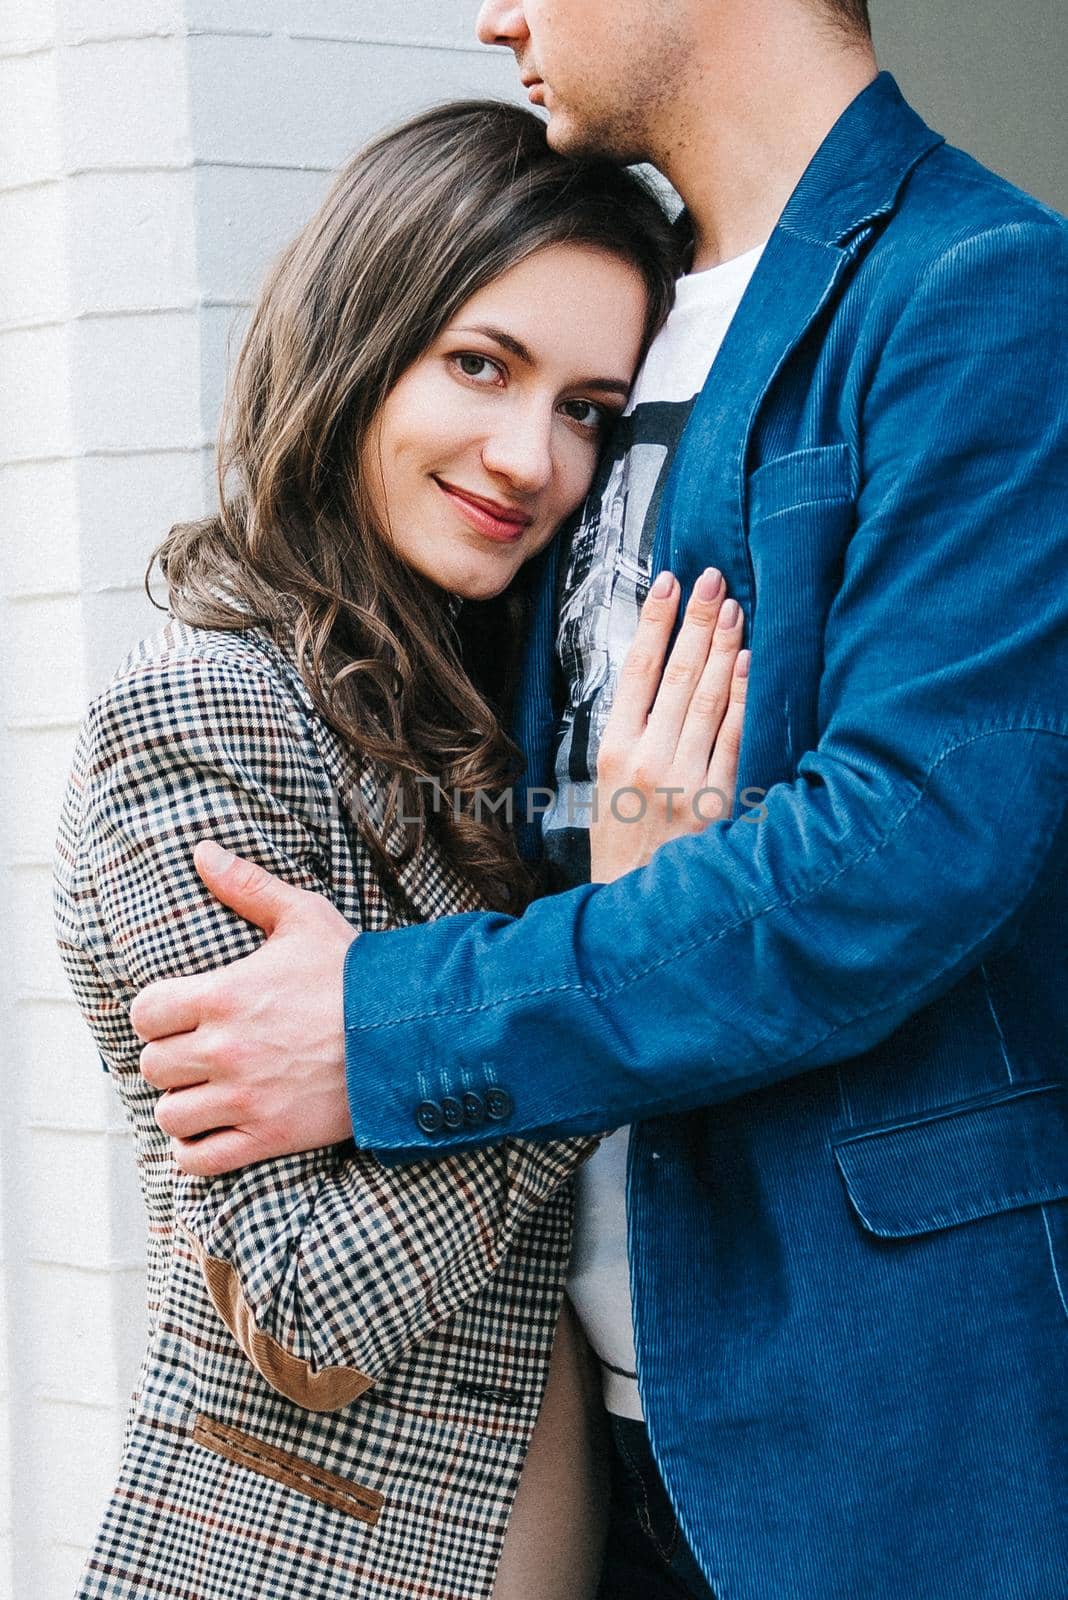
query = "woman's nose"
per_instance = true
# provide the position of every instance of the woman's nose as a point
(520, 450)
(500, 22)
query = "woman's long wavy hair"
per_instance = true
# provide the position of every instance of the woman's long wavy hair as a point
(414, 225)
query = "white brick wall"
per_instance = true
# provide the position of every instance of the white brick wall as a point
(153, 157)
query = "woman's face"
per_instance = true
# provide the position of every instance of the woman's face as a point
(490, 439)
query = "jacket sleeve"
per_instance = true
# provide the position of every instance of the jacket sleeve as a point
(326, 1267)
(913, 836)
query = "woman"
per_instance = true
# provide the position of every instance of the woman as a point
(346, 1362)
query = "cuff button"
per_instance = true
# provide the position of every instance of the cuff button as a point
(452, 1113)
(429, 1117)
(474, 1109)
(499, 1105)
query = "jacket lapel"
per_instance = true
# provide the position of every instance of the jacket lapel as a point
(702, 513)
(854, 178)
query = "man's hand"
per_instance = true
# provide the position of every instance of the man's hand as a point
(252, 1057)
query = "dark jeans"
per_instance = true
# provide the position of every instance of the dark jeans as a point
(646, 1557)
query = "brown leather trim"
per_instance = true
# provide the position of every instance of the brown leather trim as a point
(315, 1482)
(327, 1390)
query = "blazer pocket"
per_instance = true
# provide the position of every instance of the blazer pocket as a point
(801, 515)
(804, 477)
(293, 1472)
(959, 1163)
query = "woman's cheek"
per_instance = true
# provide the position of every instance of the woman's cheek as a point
(577, 475)
(435, 405)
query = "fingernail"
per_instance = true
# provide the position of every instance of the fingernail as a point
(663, 586)
(708, 584)
(741, 666)
(213, 856)
(730, 614)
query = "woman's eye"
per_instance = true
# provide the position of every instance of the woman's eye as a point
(586, 414)
(480, 368)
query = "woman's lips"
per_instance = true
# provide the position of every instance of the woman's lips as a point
(505, 527)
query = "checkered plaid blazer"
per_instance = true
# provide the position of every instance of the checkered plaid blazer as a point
(345, 1360)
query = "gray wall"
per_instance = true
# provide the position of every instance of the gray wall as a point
(990, 75)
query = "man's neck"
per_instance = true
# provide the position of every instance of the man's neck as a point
(738, 140)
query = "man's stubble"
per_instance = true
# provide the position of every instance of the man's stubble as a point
(629, 119)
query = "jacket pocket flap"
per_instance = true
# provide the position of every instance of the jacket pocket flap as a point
(799, 479)
(959, 1163)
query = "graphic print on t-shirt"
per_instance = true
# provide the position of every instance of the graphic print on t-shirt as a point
(607, 575)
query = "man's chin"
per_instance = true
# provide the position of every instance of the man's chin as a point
(561, 134)
(569, 136)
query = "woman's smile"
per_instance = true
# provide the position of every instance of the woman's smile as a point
(488, 517)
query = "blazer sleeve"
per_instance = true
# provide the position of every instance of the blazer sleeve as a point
(326, 1267)
(916, 833)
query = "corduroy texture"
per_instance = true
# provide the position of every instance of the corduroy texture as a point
(433, 1288)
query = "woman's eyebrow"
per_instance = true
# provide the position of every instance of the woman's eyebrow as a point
(507, 341)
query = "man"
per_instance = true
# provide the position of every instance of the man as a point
(838, 1034)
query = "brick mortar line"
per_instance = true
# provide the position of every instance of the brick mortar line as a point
(20, 50)
(108, 453)
(124, 313)
(155, 169)
(72, 592)
(83, 1266)
(17, 50)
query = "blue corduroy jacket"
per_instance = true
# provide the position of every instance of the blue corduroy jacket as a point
(842, 1029)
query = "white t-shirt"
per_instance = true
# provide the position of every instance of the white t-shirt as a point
(606, 573)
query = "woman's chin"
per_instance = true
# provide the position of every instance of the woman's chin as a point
(469, 573)
(477, 586)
